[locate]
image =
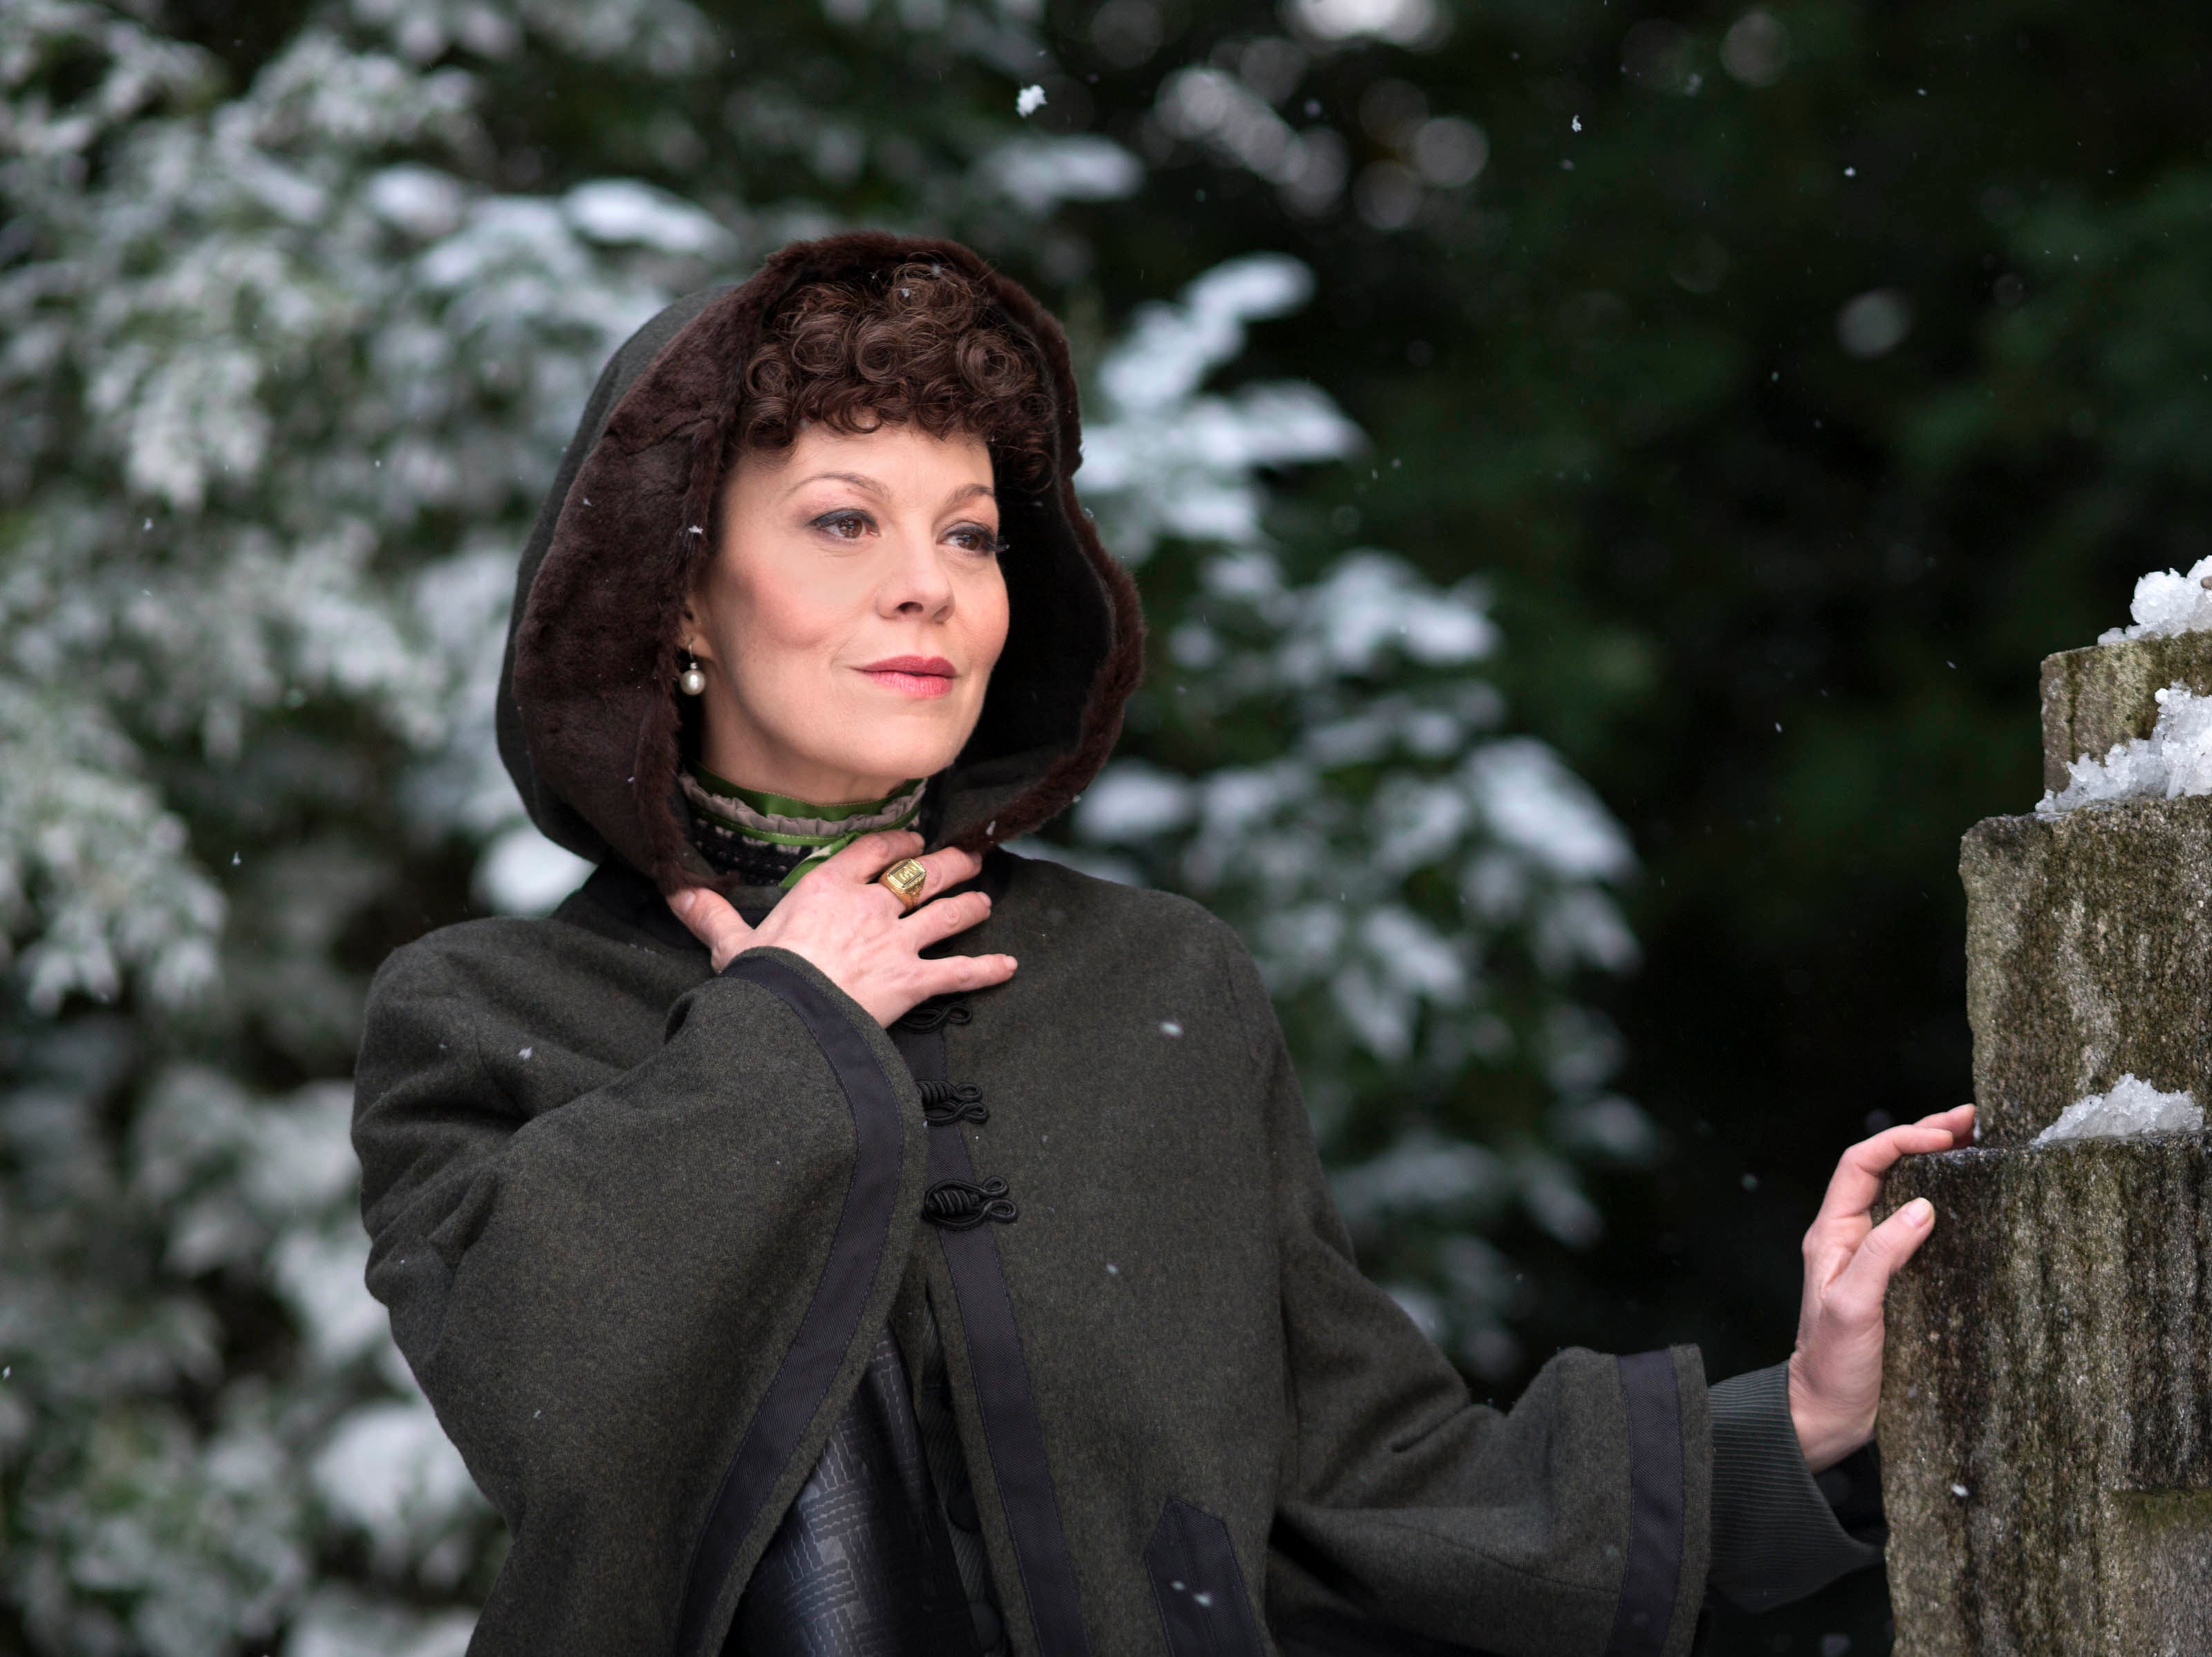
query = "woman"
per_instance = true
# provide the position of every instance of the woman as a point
(792, 1282)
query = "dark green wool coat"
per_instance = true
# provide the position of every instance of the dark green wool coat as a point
(639, 1224)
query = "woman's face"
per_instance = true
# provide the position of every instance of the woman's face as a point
(851, 614)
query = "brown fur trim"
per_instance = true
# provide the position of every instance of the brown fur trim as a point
(596, 644)
(1117, 679)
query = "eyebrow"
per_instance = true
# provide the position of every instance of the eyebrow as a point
(860, 480)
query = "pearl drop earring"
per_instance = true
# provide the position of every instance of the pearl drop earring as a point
(692, 681)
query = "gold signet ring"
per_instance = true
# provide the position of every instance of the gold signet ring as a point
(906, 878)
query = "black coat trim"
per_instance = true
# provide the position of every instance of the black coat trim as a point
(1012, 1433)
(1197, 1586)
(825, 1337)
(1657, 1506)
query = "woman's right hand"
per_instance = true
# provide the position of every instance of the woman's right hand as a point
(856, 931)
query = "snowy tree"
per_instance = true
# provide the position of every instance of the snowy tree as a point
(289, 357)
(1325, 768)
(284, 383)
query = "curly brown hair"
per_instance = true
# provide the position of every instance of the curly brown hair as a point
(920, 346)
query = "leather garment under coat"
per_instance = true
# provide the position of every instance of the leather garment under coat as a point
(862, 1564)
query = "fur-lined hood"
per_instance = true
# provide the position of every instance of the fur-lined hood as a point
(587, 714)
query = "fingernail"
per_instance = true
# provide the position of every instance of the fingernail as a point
(1919, 1211)
(681, 901)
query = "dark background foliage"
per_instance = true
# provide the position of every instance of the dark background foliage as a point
(1781, 604)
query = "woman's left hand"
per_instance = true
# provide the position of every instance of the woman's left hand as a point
(1835, 1373)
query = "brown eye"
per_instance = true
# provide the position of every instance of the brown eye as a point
(976, 538)
(845, 526)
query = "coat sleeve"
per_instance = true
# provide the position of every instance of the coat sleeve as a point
(634, 1297)
(1574, 1523)
(1779, 1532)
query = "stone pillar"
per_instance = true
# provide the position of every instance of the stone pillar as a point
(2046, 1422)
(2106, 694)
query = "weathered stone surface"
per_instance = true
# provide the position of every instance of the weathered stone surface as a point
(2046, 1422)
(2106, 694)
(2046, 1418)
(2088, 955)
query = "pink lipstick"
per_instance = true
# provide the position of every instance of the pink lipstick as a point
(921, 677)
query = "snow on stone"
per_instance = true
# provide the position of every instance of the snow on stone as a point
(2133, 1106)
(2173, 761)
(1028, 100)
(2166, 603)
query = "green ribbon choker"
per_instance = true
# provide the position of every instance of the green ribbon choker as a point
(777, 820)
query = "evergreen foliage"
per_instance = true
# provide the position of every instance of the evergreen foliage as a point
(296, 332)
